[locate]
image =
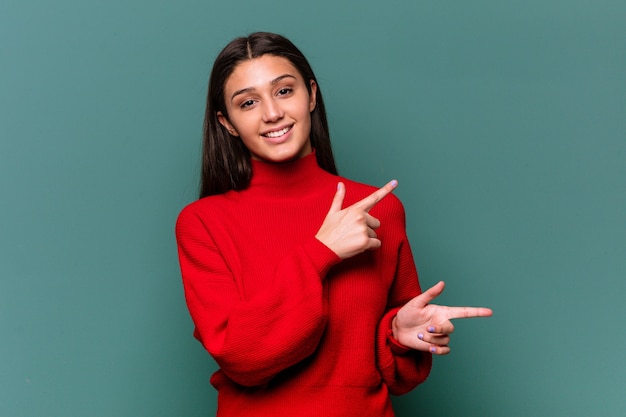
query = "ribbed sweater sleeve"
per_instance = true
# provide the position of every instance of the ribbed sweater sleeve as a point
(252, 339)
(401, 368)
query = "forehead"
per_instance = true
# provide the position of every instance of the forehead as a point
(259, 72)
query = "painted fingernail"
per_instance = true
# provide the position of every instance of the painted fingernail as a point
(433, 350)
(394, 183)
(420, 336)
(431, 329)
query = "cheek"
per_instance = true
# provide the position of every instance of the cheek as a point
(243, 123)
(305, 108)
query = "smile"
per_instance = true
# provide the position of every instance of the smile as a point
(277, 133)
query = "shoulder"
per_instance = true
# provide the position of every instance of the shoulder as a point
(205, 209)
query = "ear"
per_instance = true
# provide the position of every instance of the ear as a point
(313, 95)
(224, 122)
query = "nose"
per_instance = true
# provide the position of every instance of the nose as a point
(272, 111)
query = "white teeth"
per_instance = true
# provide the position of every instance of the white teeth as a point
(277, 133)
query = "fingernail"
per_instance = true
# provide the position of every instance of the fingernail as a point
(394, 183)
(420, 336)
(431, 329)
(433, 350)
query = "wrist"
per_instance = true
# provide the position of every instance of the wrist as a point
(394, 328)
(396, 347)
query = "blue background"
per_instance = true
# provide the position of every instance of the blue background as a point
(505, 123)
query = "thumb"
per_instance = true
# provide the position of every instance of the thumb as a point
(337, 203)
(429, 295)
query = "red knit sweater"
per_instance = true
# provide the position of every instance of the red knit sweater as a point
(296, 331)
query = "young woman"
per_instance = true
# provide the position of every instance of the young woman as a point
(301, 284)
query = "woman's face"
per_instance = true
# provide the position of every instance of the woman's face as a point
(269, 108)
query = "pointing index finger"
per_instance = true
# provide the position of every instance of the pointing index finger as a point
(468, 312)
(371, 200)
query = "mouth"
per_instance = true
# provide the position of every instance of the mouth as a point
(277, 133)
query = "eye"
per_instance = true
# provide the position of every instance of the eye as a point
(246, 104)
(284, 91)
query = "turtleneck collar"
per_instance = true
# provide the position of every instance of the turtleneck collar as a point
(298, 178)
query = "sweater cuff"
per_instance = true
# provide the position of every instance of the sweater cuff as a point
(395, 346)
(321, 256)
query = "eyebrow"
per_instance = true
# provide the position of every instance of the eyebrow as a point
(273, 82)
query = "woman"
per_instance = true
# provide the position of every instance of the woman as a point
(301, 284)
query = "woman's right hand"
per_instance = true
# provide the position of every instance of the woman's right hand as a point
(351, 230)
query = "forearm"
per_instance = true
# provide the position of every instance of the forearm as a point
(253, 338)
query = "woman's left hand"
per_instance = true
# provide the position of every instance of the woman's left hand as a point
(427, 327)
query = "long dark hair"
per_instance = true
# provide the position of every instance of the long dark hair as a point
(225, 159)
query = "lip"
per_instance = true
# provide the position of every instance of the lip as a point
(278, 139)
